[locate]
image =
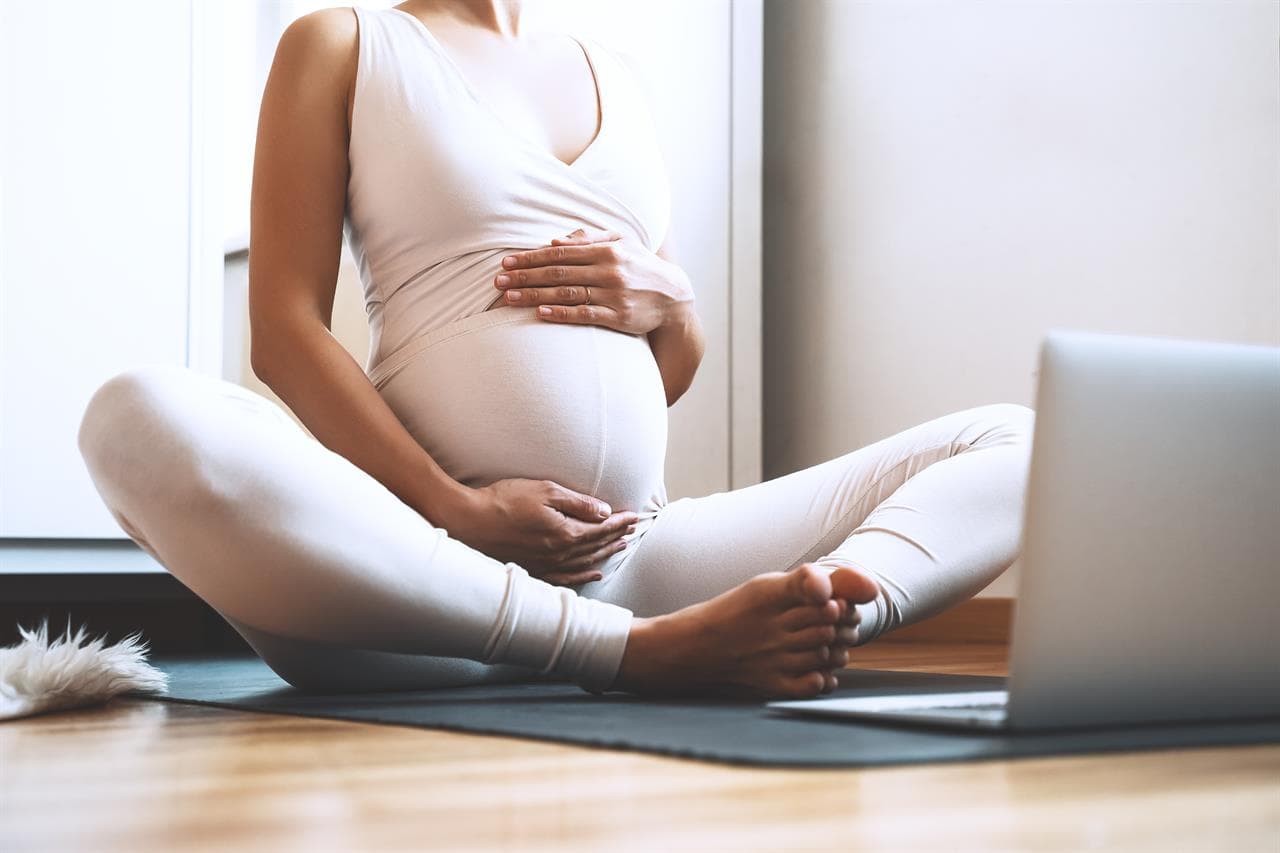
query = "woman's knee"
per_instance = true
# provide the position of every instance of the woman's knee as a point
(132, 434)
(113, 410)
(1004, 423)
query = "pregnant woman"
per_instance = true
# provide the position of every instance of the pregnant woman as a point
(484, 500)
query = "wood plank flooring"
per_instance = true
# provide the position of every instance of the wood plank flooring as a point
(140, 775)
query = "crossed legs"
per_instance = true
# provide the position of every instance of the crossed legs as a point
(339, 585)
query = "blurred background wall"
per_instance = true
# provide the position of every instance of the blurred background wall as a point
(945, 181)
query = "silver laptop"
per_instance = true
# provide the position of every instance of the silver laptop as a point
(1150, 588)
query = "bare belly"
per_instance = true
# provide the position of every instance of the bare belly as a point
(503, 394)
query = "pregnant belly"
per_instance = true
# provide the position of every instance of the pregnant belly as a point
(502, 394)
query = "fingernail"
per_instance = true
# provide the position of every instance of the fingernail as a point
(509, 261)
(514, 295)
(545, 309)
(604, 510)
(504, 280)
(622, 543)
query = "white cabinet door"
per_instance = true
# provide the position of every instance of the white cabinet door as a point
(95, 233)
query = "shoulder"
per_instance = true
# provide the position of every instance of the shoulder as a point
(322, 36)
(607, 50)
(630, 67)
(632, 72)
(316, 57)
(625, 60)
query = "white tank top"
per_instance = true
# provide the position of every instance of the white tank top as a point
(442, 187)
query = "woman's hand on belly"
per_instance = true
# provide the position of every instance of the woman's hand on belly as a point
(597, 278)
(553, 532)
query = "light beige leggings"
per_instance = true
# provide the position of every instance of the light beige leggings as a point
(339, 585)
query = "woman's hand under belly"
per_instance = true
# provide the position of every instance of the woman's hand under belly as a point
(555, 533)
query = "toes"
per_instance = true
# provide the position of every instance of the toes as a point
(849, 613)
(852, 584)
(803, 686)
(795, 663)
(832, 610)
(819, 635)
(809, 585)
(811, 637)
(806, 616)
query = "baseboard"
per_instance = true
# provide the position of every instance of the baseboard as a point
(978, 620)
(170, 617)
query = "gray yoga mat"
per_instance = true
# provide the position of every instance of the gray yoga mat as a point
(735, 732)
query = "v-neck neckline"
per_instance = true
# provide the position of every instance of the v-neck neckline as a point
(466, 85)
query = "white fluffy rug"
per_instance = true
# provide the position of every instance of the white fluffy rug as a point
(38, 676)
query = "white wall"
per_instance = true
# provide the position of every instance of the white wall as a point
(946, 181)
(108, 255)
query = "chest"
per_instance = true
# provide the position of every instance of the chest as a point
(546, 92)
(458, 145)
(542, 87)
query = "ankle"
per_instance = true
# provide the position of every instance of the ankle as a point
(640, 659)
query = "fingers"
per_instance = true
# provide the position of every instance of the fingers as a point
(575, 504)
(564, 294)
(599, 272)
(578, 565)
(586, 235)
(587, 315)
(578, 254)
(587, 521)
(578, 235)
(572, 578)
(585, 537)
(596, 555)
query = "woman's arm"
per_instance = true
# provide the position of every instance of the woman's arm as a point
(678, 344)
(300, 174)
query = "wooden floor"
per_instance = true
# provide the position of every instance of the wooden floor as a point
(142, 775)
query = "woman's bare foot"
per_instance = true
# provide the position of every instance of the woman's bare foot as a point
(779, 634)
